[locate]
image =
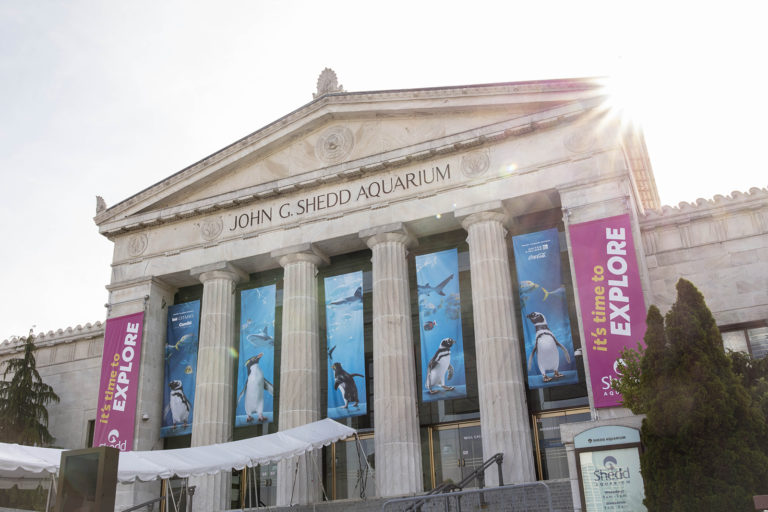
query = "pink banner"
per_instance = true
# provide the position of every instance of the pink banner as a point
(610, 296)
(119, 382)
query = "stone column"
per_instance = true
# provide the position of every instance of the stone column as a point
(212, 420)
(299, 478)
(504, 419)
(396, 420)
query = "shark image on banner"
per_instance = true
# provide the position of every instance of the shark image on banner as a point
(442, 347)
(347, 392)
(256, 364)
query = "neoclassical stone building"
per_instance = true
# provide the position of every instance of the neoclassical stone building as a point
(367, 181)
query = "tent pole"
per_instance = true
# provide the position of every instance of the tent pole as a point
(363, 478)
(293, 487)
(48, 497)
(246, 480)
(252, 491)
(173, 498)
(320, 477)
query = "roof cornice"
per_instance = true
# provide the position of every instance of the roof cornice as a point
(455, 143)
(702, 208)
(68, 335)
(336, 104)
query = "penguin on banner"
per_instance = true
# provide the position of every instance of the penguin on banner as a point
(255, 385)
(546, 345)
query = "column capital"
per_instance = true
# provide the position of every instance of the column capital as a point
(596, 200)
(395, 232)
(221, 270)
(301, 252)
(491, 211)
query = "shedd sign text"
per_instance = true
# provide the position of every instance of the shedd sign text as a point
(371, 190)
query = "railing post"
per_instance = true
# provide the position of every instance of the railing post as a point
(499, 460)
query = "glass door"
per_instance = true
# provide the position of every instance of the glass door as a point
(350, 469)
(456, 451)
(254, 487)
(551, 460)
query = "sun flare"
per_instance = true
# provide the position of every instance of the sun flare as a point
(630, 98)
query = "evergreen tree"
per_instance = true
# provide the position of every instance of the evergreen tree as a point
(705, 440)
(23, 400)
(754, 375)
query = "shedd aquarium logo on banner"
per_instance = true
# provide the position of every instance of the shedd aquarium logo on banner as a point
(611, 474)
(113, 440)
(607, 380)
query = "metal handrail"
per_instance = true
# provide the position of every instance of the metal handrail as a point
(459, 494)
(190, 495)
(478, 474)
(146, 503)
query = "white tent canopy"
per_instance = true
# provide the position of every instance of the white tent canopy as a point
(27, 462)
(26, 466)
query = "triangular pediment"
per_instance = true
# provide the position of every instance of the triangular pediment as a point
(341, 133)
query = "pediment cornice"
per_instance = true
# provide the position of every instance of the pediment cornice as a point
(339, 106)
(344, 171)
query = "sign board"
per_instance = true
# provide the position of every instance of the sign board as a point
(609, 469)
(119, 383)
(87, 480)
(610, 296)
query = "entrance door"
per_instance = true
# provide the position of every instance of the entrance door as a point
(350, 469)
(457, 451)
(254, 487)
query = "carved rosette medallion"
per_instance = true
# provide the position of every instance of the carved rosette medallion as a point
(580, 142)
(210, 229)
(334, 144)
(137, 244)
(475, 164)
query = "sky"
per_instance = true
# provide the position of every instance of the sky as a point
(108, 98)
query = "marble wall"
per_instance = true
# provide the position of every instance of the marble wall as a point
(720, 245)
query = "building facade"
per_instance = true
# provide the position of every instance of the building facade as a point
(373, 183)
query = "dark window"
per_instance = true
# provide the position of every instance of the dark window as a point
(91, 429)
(751, 338)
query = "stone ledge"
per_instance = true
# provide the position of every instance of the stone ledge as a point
(67, 335)
(704, 206)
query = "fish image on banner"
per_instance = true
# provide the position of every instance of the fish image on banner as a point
(180, 368)
(345, 335)
(442, 346)
(549, 356)
(256, 364)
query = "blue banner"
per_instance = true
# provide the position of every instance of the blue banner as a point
(180, 368)
(442, 347)
(546, 326)
(347, 392)
(256, 366)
